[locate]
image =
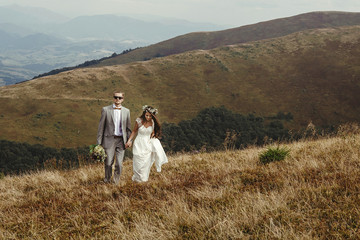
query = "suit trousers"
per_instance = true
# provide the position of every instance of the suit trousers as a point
(118, 149)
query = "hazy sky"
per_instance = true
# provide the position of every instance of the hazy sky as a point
(224, 12)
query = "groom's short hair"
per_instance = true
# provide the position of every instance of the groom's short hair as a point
(119, 91)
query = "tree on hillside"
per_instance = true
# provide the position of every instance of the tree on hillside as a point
(16, 158)
(212, 126)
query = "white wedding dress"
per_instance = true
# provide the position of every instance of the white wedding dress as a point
(146, 151)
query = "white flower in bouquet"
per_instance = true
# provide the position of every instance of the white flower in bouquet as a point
(97, 152)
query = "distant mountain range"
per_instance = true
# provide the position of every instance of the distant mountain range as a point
(35, 40)
(313, 74)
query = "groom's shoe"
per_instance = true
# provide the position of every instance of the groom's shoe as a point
(116, 179)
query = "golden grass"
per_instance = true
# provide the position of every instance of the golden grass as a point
(313, 194)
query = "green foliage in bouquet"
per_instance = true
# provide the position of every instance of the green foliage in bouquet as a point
(97, 152)
(274, 154)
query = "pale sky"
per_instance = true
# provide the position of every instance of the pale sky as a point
(223, 12)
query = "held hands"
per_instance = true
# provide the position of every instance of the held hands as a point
(128, 144)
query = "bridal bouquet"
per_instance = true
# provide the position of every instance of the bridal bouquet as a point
(97, 153)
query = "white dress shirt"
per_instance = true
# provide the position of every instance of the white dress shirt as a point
(117, 121)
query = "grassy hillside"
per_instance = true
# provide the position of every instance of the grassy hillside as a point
(312, 194)
(314, 75)
(254, 32)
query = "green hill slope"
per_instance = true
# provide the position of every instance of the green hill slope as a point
(314, 75)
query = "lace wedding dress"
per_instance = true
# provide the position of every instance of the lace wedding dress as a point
(146, 151)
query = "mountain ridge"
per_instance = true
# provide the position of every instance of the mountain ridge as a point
(253, 32)
(207, 40)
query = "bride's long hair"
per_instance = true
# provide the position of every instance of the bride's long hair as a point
(157, 126)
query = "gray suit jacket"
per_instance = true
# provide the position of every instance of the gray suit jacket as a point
(105, 135)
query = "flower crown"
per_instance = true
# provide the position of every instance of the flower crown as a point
(150, 109)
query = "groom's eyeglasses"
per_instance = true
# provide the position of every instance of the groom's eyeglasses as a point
(118, 97)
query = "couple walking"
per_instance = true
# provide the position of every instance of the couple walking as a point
(115, 135)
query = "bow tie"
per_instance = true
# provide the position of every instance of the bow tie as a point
(118, 108)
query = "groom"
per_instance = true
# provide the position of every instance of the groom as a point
(113, 132)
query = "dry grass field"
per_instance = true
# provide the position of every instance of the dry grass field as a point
(313, 194)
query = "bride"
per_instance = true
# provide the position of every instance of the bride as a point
(147, 148)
